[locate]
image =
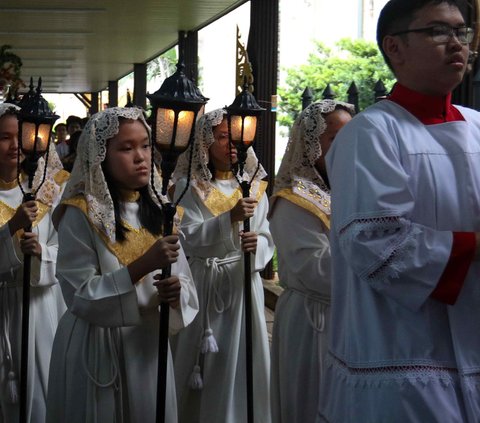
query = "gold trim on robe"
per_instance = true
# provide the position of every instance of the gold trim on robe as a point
(223, 174)
(129, 196)
(287, 194)
(7, 212)
(217, 202)
(178, 219)
(61, 176)
(137, 242)
(7, 186)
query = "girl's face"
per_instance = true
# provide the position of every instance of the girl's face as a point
(8, 141)
(220, 153)
(61, 133)
(335, 121)
(128, 158)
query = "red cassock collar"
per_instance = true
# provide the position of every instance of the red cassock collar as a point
(428, 109)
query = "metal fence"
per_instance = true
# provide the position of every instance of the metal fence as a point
(379, 93)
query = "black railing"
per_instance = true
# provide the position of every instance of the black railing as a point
(379, 92)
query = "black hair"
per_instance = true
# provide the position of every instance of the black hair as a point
(73, 142)
(59, 125)
(342, 107)
(74, 119)
(397, 15)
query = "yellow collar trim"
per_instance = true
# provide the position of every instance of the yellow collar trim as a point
(6, 186)
(223, 174)
(217, 202)
(287, 194)
(61, 176)
(129, 196)
(138, 240)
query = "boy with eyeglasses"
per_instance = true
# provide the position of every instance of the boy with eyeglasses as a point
(405, 176)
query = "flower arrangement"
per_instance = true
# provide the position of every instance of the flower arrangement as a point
(10, 69)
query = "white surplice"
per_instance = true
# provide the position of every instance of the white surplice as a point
(299, 340)
(104, 360)
(46, 308)
(212, 244)
(399, 189)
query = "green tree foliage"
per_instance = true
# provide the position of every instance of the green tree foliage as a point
(163, 66)
(350, 60)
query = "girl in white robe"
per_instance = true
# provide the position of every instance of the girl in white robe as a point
(209, 356)
(46, 301)
(105, 354)
(300, 222)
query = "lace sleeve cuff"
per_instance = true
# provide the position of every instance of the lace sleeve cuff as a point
(453, 277)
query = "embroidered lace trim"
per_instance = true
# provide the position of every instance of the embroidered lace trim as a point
(396, 249)
(379, 375)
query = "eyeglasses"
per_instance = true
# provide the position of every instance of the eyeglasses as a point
(444, 33)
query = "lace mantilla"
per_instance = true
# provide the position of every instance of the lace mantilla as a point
(87, 176)
(200, 175)
(8, 108)
(50, 190)
(303, 148)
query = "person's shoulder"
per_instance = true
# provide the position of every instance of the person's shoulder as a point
(381, 117)
(382, 111)
(469, 114)
(74, 209)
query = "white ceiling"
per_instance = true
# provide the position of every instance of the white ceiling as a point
(79, 45)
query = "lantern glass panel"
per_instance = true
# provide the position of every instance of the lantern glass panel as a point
(30, 134)
(249, 128)
(164, 129)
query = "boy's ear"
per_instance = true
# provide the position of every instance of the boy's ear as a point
(393, 48)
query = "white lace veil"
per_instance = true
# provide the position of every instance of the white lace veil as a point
(304, 149)
(200, 173)
(87, 176)
(49, 190)
(8, 108)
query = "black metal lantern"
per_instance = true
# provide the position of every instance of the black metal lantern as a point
(175, 107)
(35, 123)
(242, 117)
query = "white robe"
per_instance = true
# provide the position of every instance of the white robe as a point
(399, 189)
(299, 340)
(46, 308)
(104, 359)
(213, 247)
